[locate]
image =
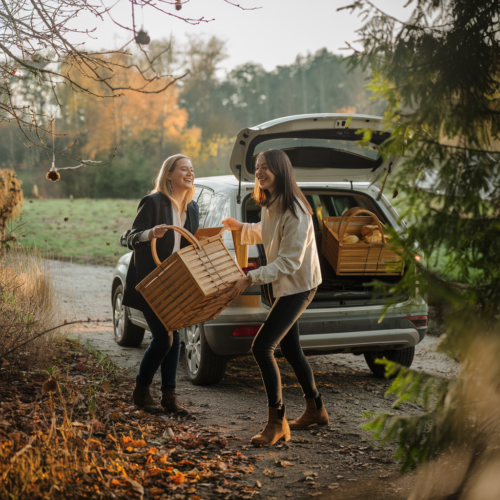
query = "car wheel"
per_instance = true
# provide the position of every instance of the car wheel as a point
(402, 356)
(203, 366)
(126, 333)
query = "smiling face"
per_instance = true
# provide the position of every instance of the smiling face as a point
(263, 174)
(182, 177)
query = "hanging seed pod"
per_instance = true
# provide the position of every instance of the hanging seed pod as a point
(53, 175)
(178, 5)
(142, 38)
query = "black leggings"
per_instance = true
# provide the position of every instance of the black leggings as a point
(282, 326)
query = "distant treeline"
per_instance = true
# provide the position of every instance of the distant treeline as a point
(198, 116)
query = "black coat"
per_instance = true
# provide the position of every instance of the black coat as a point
(153, 210)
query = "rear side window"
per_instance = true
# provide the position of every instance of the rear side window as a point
(219, 210)
(197, 193)
(204, 201)
(343, 203)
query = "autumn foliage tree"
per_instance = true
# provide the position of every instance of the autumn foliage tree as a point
(138, 129)
(103, 126)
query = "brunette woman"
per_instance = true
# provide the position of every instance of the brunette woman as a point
(169, 204)
(287, 232)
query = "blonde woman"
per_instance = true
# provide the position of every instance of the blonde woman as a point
(169, 204)
(287, 232)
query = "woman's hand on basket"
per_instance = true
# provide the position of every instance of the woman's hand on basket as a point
(232, 224)
(158, 231)
(240, 286)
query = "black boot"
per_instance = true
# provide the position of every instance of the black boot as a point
(171, 404)
(142, 397)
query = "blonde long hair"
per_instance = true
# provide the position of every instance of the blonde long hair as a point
(164, 186)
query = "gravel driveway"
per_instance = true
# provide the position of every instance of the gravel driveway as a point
(316, 461)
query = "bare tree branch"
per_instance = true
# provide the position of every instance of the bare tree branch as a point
(35, 39)
(240, 6)
(66, 323)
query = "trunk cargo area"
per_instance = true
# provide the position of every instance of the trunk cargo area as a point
(335, 290)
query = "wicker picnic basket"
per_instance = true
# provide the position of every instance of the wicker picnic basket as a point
(193, 285)
(240, 250)
(357, 259)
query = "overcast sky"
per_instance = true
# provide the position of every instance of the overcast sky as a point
(272, 35)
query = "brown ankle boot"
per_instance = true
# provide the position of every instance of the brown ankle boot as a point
(142, 397)
(315, 414)
(275, 429)
(171, 404)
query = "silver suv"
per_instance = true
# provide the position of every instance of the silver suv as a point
(335, 173)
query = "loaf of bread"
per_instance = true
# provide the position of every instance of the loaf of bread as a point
(368, 229)
(372, 239)
(351, 238)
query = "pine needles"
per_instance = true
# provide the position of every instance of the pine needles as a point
(438, 70)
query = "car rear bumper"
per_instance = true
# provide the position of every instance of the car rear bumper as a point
(322, 331)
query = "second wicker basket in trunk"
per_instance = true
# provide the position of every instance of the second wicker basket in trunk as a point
(358, 259)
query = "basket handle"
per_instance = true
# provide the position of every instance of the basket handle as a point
(349, 215)
(349, 212)
(184, 232)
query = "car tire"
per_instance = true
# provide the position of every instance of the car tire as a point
(401, 356)
(203, 366)
(126, 333)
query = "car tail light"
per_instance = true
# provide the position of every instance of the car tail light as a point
(418, 321)
(252, 265)
(246, 331)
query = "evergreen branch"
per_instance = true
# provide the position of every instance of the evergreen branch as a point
(392, 18)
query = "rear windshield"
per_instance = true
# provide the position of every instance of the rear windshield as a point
(323, 153)
(287, 143)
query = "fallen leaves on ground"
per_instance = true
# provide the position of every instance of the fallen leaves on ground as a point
(76, 435)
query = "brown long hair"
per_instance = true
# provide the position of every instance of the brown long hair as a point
(163, 185)
(286, 194)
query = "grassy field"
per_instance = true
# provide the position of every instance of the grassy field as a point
(90, 233)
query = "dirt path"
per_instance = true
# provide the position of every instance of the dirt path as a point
(315, 461)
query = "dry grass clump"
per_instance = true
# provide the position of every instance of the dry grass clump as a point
(28, 304)
(11, 197)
